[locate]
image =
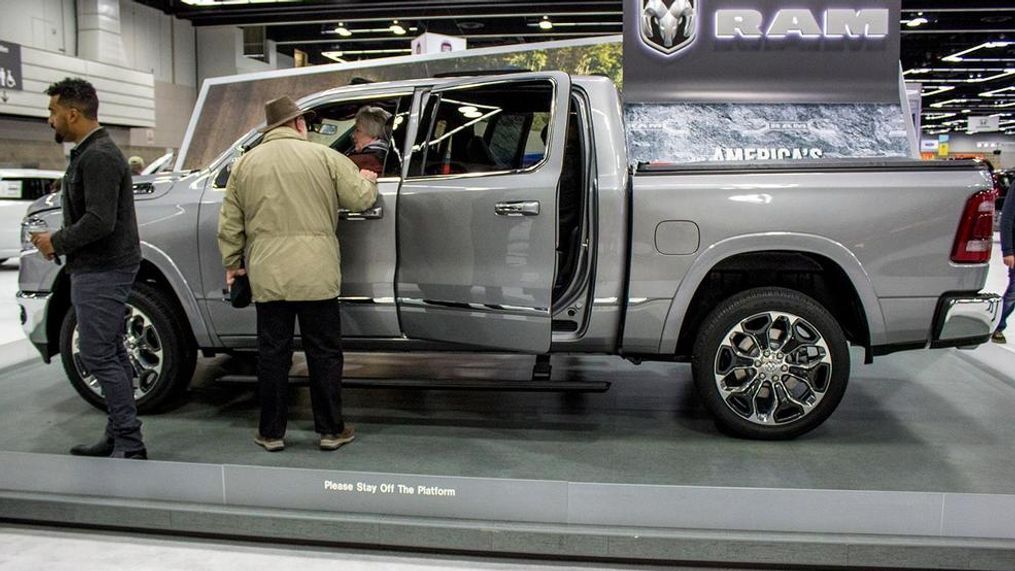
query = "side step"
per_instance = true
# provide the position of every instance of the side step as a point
(450, 384)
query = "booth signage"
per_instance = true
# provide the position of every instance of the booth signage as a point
(984, 124)
(10, 66)
(776, 51)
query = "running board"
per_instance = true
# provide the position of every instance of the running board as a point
(450, 384)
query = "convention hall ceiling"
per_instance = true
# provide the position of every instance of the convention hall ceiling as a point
(961, 51)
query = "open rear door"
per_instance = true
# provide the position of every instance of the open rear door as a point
(477, 212)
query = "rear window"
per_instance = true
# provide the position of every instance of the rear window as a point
(25, 188)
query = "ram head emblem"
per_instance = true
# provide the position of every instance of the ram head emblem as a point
(667, 26)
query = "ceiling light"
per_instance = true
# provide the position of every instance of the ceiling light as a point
(334, 56)
(397, 29)
(916, 22)
(474, 115)
(342, 31)
(957, 56)
(545, 23)
(938, 91)
(465, 109)
(941, 104)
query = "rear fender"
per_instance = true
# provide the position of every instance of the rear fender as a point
(782, 241)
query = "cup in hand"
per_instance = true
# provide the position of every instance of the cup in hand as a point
(35, 225)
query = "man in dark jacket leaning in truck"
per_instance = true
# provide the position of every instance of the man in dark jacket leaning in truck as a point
(1008, 251)
(100, 241)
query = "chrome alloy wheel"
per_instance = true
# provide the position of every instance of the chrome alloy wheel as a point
(772, 368)
(144, 350)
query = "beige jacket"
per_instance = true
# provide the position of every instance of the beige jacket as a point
(280, 213)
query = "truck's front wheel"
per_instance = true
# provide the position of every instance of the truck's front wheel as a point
(161, 354)
(770, 363)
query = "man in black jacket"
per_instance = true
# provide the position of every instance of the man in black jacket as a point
(100, 241)
(1008, 253)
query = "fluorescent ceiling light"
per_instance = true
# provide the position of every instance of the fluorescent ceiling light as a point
(938, 91)
(467, 109)
(995, 92)
(941, 104)
(397, 29)
(957, 56)
(916, 22)
(206, 3)
(545, 23)
(343, 31)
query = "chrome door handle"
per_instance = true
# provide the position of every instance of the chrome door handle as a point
(517, 208)
(374, 213)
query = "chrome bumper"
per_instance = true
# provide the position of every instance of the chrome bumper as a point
(966, 319)
(33, 315)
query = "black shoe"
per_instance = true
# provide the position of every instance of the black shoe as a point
(141, 454)
(102, 448)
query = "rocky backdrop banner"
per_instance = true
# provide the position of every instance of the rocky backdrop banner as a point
(679, 133)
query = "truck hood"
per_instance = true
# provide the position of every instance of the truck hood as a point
(146, 187)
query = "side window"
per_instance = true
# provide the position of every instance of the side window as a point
(333, 126)
(485, 129)
(26, 188)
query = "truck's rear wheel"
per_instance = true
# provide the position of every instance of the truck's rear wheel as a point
(161, 353)
(770, 363)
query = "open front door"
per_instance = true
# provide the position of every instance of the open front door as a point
(477, 212)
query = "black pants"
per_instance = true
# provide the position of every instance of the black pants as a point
(100, 303)
(321, 332)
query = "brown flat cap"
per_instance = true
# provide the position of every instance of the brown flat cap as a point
(282, 110)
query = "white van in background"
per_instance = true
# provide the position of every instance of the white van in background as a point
(18, 189)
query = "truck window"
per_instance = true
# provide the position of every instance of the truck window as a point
(488, 129)
(333, 126)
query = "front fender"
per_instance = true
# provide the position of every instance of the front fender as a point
(183, 291)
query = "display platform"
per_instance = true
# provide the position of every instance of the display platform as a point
(913, 470)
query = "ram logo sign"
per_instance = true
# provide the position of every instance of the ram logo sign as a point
(836, 23)
(668, 25)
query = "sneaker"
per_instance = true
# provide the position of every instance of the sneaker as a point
(269, 444)
(998, 337)
(336, 441)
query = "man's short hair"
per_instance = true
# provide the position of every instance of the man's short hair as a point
(77, 93)
(373, 120)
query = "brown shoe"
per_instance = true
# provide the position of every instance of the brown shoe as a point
(270, 444)
(336, 441)
(998, 337)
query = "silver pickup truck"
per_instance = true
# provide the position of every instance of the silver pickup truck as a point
(510, 220)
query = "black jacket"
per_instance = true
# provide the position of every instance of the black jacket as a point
(99, 224)
(1008, 223)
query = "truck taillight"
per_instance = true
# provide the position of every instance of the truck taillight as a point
(976, 230)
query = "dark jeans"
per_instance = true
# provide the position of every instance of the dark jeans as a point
(1009, 301)
(321, 331)
(100, 304)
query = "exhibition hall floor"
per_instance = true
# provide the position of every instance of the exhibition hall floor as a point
(921, 421)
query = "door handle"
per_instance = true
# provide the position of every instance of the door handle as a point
(374, 213)
(517, 208)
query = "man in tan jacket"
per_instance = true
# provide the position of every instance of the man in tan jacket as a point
(278, 226)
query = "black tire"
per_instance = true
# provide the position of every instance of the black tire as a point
(773, 377)
(179, 355)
